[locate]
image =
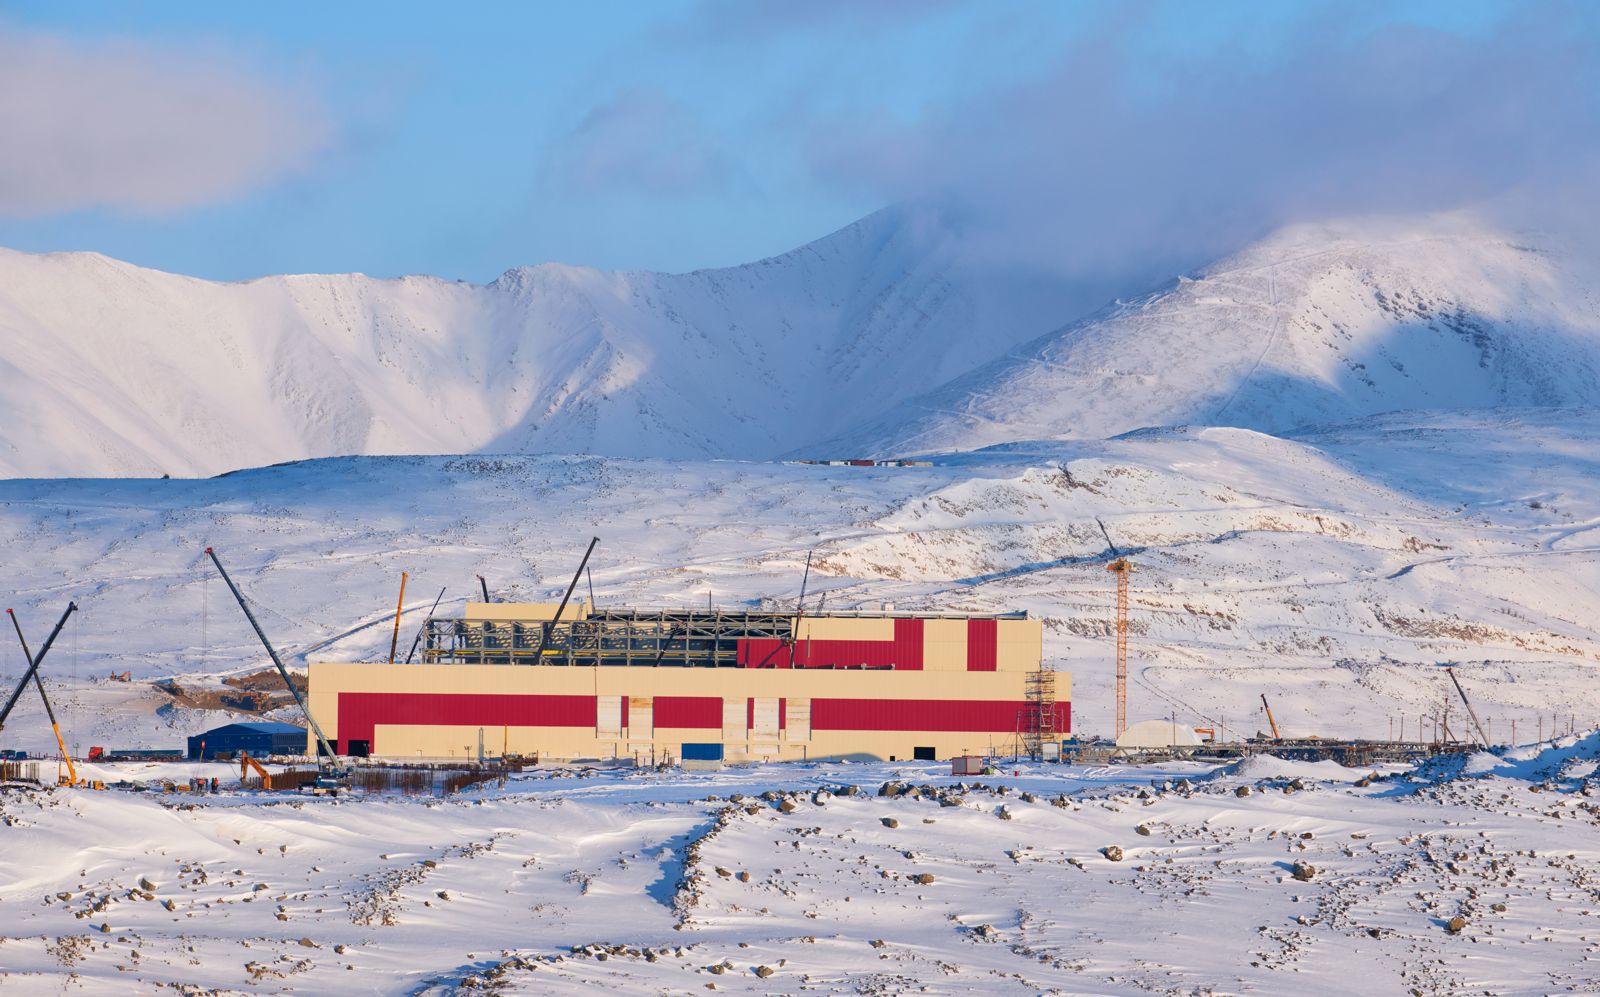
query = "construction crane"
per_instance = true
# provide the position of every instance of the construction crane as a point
(1270, 722)
(399, 607)
(1470, 711)
(331, 776)
(1121, 567)
(548, 629)
(72, 770)
(33, 665)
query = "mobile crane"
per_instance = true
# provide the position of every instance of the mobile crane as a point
(331, 776)
(72, 770)
(32, 675)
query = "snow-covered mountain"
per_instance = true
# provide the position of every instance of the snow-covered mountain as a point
(882, 338)
(110, 369)
(1316, 324)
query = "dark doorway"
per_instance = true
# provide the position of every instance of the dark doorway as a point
(924, 755)
(360, 748)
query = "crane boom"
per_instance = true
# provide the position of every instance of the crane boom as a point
(1470, 711)
(33, 664)
(549, 628)
(329, 754)
(49, 711)
(399, 607)
(1271, 722)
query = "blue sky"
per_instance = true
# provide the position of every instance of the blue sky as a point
(232, 140)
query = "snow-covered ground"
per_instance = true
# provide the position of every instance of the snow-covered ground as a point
(750, 880)
(1333, 572)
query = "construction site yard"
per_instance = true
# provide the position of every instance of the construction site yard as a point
(1468, 874)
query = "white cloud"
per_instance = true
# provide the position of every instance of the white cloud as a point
(143, 130)
(1113, 163)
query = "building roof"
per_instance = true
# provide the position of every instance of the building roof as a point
(257, 727)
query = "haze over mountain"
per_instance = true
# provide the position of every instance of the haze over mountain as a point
(880, 339)
(1316, 324)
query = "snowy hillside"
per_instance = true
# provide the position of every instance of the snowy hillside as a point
(1332, 572)
(113, 370)
(1316, 324)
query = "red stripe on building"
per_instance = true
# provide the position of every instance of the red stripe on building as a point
(903, 653)
(688, 711)
(983, 638)
(783, 714)
(987, 715)
(624, 713)
(750, 713)
(908, 645)
(360, 712)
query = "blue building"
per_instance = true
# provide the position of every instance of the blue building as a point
(258, 738)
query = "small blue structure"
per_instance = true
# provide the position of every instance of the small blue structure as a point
(259, 738)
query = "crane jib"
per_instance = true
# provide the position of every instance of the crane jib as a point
(322, 742)
(33, 665)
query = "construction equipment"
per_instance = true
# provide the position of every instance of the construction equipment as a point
(1270, 722)
(1121, 567)
(799, 607)
(1470, 711)
(331, 776)
(418, 638)
(485, 586)
(544, 631)
(246, 763)
(399, 607)
(72, 770)
(33, 664)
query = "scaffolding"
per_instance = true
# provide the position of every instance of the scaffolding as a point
(612, 638)
(1039, 716)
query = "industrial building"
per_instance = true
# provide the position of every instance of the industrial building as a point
(509, 678)
(258, 738)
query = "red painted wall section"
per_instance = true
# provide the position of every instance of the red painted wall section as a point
(624, 712)
(1063, 718)
(908, 645)
(983, 638)
(903, 653)
(688, 711)
(360, 712)
(988, 715)
(783, 714)
(750, 713)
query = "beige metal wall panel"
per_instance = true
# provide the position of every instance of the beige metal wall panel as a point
(328, 679)
(797, 721)
(845, 628)
(766, 719)
(1020, 645)
(734, 712)
(944, 645)
(577, 609)
(608, 718)
(641, 717)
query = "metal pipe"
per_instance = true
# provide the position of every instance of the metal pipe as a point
(322, 742)
(33, 663)
(485, 586)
